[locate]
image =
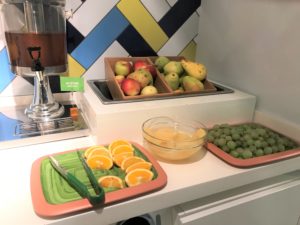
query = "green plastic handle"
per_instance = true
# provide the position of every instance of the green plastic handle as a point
(100, 194)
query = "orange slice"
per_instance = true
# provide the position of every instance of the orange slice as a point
(88, 150)
(99, 151)
(138, 176)
(130, 161)
(122, 149)
(139, 165)
(99, 162)
(118, 142)
(110, 181)
(118, 159)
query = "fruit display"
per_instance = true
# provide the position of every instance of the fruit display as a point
(250, 140)
(182, 75)
(120, 163)
(155, 77)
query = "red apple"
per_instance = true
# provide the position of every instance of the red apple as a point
(140, 64)
(122, 67)
(119, 78)
(152, 70)
(130, 87)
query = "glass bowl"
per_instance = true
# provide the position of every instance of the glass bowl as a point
(171, 139)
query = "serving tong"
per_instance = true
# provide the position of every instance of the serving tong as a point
(80, 187)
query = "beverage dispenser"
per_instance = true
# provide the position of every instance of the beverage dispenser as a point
(35, 34)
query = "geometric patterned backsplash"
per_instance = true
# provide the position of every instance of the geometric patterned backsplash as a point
(98, 29)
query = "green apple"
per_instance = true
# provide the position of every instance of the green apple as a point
(122, 67)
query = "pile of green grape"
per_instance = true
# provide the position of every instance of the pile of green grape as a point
(246, 141)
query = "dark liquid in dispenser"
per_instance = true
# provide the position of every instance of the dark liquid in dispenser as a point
(53, 48)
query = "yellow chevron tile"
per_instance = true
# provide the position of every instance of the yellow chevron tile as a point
(189, 52)
(75, 69)
(143, 22)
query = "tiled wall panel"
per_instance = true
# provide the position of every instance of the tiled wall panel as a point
(97, 29)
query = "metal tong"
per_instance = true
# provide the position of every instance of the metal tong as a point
(81, 188)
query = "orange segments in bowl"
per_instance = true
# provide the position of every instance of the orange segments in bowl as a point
(117, 143)
(138, 176)
(110, 182)
(139, 165)
(130, 161)
(99, 162)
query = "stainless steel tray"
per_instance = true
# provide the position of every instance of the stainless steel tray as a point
(16, 129)
(101, 90)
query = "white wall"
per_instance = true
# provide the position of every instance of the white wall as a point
(254, 45)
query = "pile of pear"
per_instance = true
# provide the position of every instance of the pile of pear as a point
(183, 75)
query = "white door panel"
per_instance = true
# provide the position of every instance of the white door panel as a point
(276, 203)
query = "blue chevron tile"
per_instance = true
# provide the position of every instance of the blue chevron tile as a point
(100, 38)
(6, 75)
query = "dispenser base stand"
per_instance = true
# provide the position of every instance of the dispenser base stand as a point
(43, 106)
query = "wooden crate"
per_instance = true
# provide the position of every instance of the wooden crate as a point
(115, 89)
(208, 86)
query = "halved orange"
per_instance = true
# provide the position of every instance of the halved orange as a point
(118, 159)
(122, 149)
(99, 162)
(130, 161)
(88, 150)
(139, 165)
(118, 142)
(138, 176)
(99, 151)
(110, 181)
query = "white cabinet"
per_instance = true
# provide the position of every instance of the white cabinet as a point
(271, 202)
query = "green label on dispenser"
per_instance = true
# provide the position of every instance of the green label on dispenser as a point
(71, 84)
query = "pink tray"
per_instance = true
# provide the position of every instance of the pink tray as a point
(45, 209)
(256, 161)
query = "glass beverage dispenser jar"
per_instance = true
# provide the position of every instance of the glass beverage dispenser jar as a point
(35, 34)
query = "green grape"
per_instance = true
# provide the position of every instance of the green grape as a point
(221, 142)
(231, 145)
(281, 148)
(250, 142)
(247, 154)
(235, 154)
(258, 143)
(274, 149)
(267, 150)
(236, 136)
(254, 134)
(271, 141)
(259, 152)
(228, 138)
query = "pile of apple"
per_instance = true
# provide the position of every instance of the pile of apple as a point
(135, 78)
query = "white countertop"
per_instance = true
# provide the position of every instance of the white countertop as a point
(186, 182)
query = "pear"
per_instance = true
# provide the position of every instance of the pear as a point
(173, 80)
(192, 84)
(160, 62)
(143, 76)
(173, 67)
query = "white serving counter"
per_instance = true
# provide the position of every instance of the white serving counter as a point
(186, 182)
